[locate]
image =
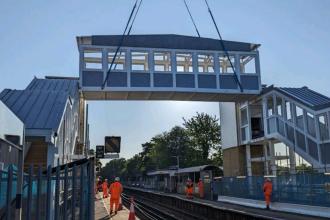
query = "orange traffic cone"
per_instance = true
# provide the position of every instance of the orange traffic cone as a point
(120, 206)
(131, 211)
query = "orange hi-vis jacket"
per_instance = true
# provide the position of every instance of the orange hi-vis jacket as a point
(105, 187)
(115, 190)
(268, 188)
(201, 188)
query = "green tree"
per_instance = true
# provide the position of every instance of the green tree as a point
(114, 168)
(204, 133)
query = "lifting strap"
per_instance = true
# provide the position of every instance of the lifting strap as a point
(192, 19)
(129, 23)
(224, 48)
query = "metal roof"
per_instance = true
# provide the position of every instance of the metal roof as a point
(167, 41)
(183, 170)
(197, 169)
(304, 95)
(42, 103)
(161, 172)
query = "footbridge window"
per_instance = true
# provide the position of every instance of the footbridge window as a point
(93, 59)
(119, 62)
(162, 61)
(248, 64)
(184, 62)
(140, 61)
(270, 106)
(288, 111)
(205, 63)
(323, 126)
(311, 124)
(299, 117)
(279, 106)
(225, 66)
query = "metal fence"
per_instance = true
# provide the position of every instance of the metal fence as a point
(306, 189)
(62, 192)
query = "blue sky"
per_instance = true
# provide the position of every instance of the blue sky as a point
(37, 38)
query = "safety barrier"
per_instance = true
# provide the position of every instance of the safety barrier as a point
(306, 189)
(62, 192)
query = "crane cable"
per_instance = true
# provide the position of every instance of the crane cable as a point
(129, 23)
(192, 19)
(223, 47)
(129, 31)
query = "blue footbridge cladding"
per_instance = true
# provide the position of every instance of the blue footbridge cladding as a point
(184, 67)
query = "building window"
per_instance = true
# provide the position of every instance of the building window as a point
(205, 63)
(140, 61)
(248, 64)
(162, 61)
(93, 59)
(119, 63)
(324, 126)
(225, 66)
(288, 111)
(244, 117)
(299, 117)
(184, 62)
(244, 124)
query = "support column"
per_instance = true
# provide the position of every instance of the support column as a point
(266, 167)
(292, 160)
(248, 160)
(272, 157)
(82, 128)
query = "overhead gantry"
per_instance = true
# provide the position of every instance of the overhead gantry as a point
(167, 67)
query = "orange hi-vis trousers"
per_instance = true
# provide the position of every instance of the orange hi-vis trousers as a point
(267, 198)
(114, 201)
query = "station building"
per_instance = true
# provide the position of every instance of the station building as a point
(49, 109)
(11, 130)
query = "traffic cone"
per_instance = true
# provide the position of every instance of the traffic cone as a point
(131, 211)
(120, 207)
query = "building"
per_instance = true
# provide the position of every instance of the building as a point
(12, 130)
(50, 110)
(297, 118)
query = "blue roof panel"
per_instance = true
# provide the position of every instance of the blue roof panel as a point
(304, 95)
(42, 103)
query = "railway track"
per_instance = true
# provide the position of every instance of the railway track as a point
(153, 205)
(146, 211)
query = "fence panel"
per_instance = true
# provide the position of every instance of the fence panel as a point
(62, 192)
(305, 189)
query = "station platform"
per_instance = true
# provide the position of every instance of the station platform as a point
(102, 210)
(274, 214)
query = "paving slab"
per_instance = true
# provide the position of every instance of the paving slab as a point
(102, 210)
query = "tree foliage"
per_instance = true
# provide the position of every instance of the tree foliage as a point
(204, 132)
(197, 143)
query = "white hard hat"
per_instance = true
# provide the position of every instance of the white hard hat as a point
(117, 179)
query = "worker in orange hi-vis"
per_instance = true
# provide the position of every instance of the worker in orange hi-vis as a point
(97, 183)
(201, 188)
(189, 189)
(268, 189)
(115, 190)
(105, 188)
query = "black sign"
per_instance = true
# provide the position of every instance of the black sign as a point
(112, 144)
(99, 151)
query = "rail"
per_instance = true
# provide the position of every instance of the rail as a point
(186, 209)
